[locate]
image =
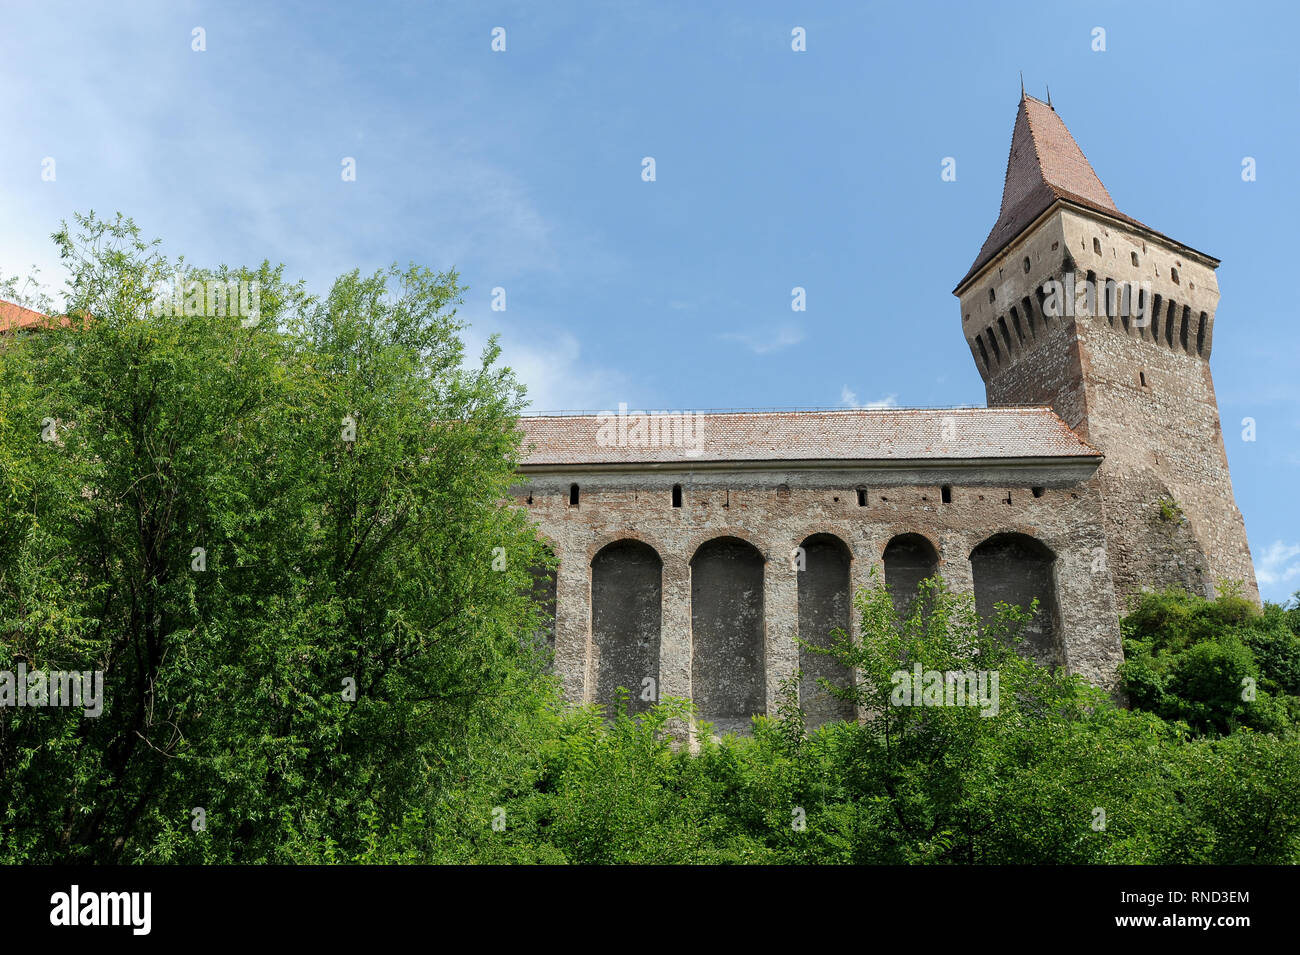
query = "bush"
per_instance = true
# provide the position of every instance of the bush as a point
(1213, 664)
(1059, 775)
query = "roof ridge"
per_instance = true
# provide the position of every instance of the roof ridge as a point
(792, 412)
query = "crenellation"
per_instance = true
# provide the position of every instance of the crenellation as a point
(1138, 388)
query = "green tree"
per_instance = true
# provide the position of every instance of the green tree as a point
(1214, 664)
(282, 543)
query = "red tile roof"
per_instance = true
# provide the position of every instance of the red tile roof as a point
(1045, 165)
(16, 318)
(856, 435)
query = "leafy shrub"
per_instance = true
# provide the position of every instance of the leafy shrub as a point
(1213, 664)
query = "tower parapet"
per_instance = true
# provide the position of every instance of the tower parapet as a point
(1073, 304)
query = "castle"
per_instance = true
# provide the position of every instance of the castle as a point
(692, 549)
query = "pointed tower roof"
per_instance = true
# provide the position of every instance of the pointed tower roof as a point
(1045, 165)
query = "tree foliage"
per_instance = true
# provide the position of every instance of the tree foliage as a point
(1060, 775)
(283, 544)
(1213, 664)
(326, 563)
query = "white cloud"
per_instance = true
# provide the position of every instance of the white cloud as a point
(1278, 569)
(849, 399)
(127, 135)
(764, 341)
(551, 365)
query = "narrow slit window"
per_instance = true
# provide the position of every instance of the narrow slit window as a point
(1015, 323)
(677, 495)
(997, 351)
(945, 494)
(573, 495)
(1006, 335)
(862, 497)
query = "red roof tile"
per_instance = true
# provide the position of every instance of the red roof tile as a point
(855, 435)
(1045, 165)
(16, 318)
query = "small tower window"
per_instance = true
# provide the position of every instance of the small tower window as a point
(573, 495)
(862, 497)
(992, 297)
(1096, 245)
(1173, 274)
(530, 500)
(677, 495)
(1142, 378)
(1038, 491)
(1134, 256)
(1026, 263)
(945, 494)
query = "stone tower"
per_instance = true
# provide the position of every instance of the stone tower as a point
(1073, 304)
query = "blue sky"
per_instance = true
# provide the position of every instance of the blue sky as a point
(774, 169)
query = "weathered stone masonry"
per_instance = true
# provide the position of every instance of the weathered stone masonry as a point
(1136, 386)
(732, 595)
(692, 552)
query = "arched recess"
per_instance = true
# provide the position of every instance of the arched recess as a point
(626, 608)
(542, 592)
(824, 606)
(727, 656)
(1014, 569)
(909, 559)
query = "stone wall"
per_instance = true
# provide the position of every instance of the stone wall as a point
(1136, 387)
(716, 628)
(825, 606)
(626, 608)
